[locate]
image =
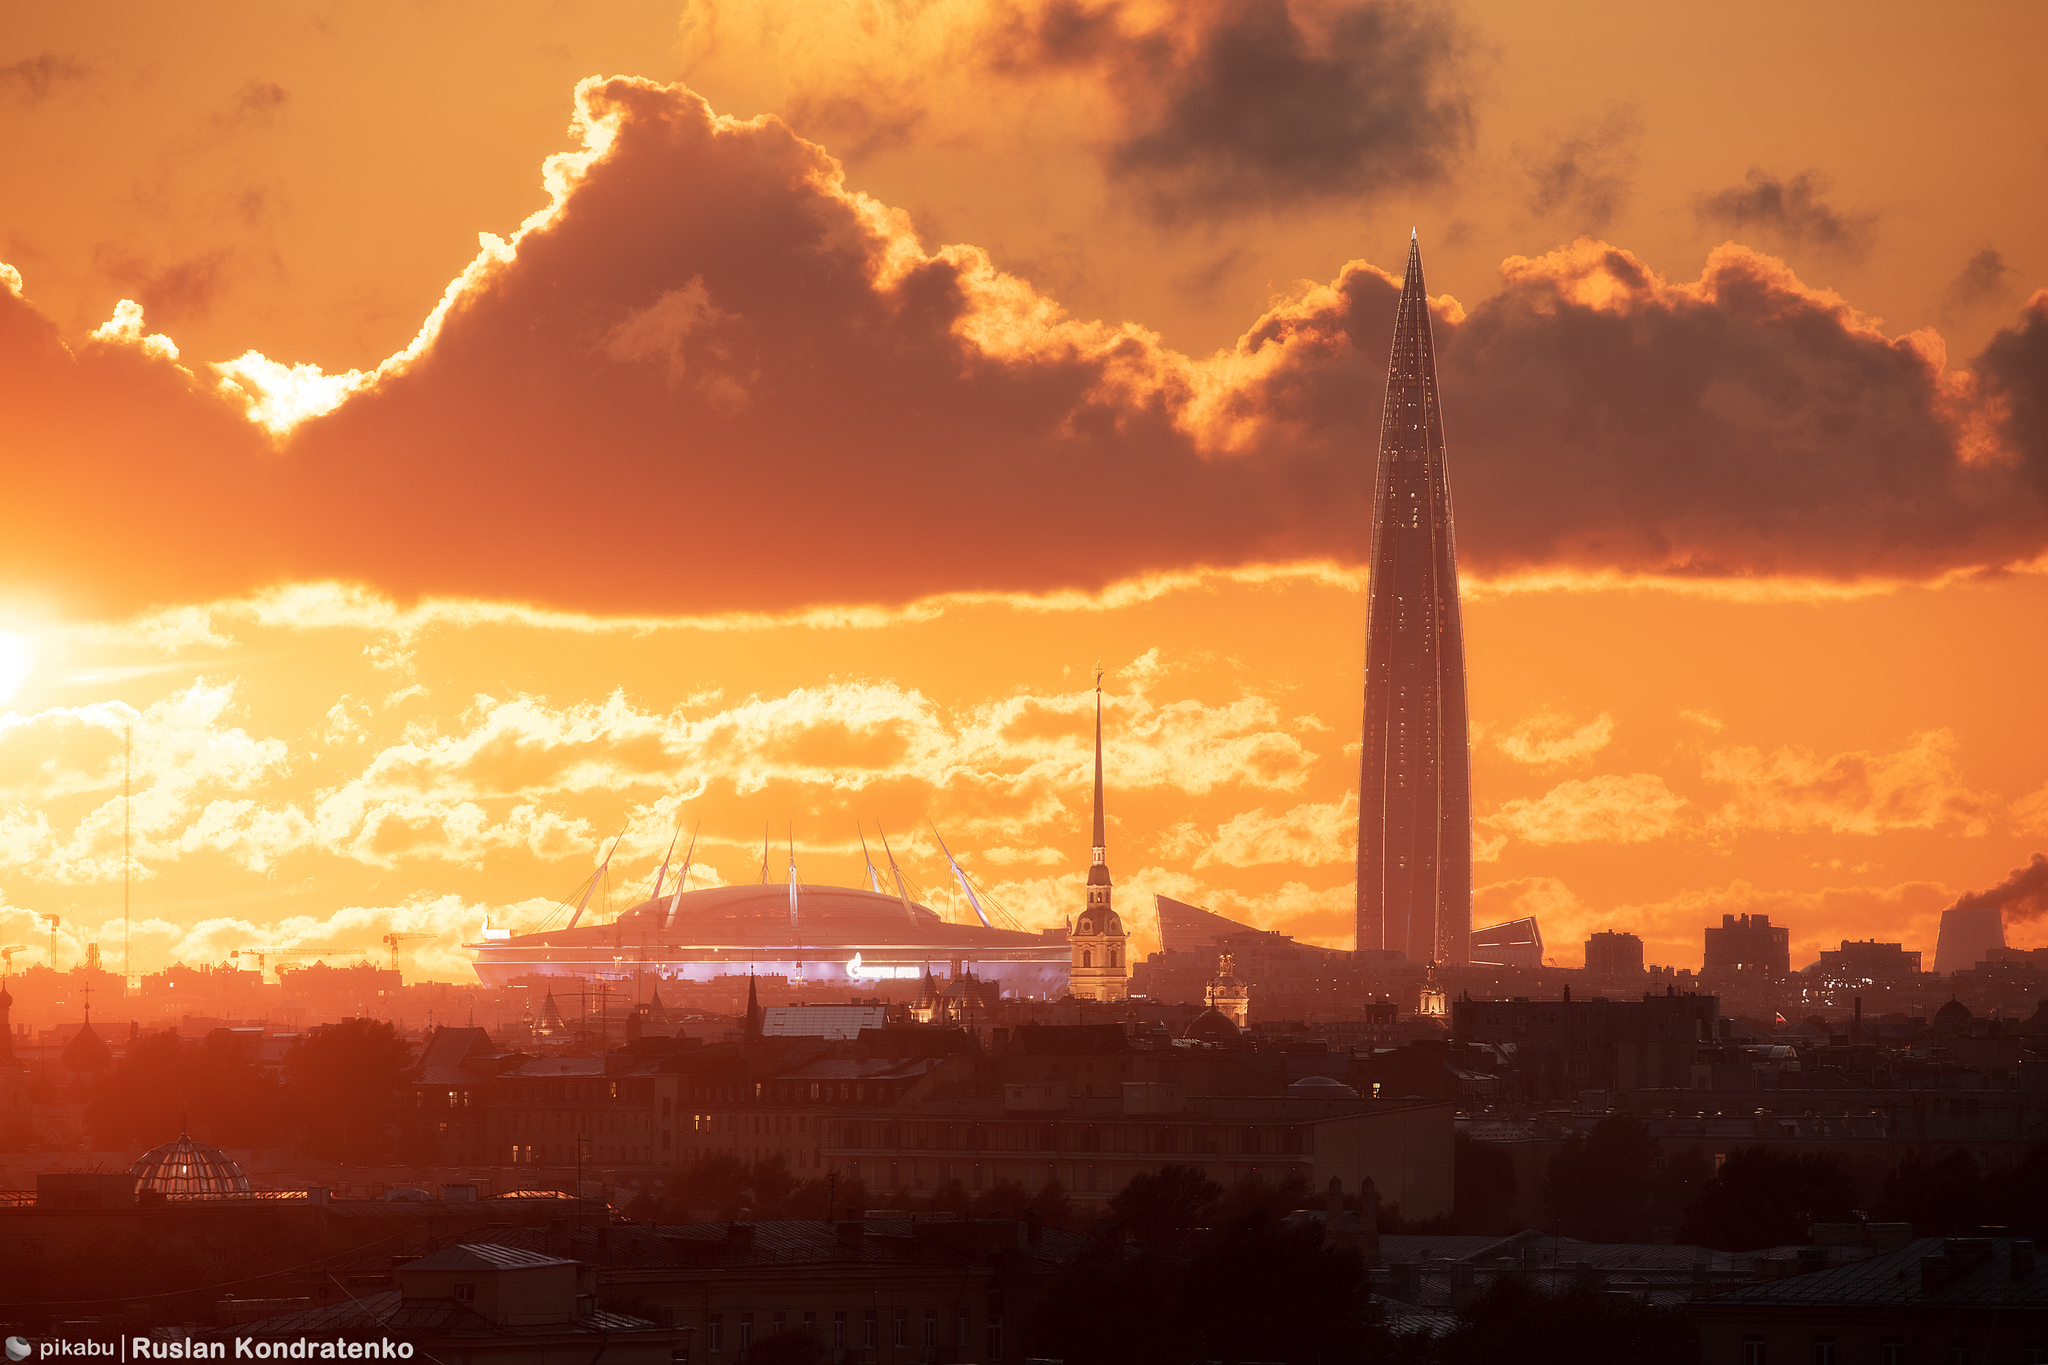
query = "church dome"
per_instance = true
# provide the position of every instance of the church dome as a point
(188, 1170)
(1954, 1009)
(1212, 1026)
(86, 1051)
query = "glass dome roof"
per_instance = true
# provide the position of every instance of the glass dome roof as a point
(188, 1170)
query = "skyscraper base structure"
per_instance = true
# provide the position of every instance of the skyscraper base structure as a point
(1415, 786)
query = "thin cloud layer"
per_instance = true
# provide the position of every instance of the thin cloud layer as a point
(708, 378)
(1792, 212)
(1585, 176)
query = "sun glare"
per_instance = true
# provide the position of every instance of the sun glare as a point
(17, 657)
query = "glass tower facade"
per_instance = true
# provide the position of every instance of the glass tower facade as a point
(1415, 780)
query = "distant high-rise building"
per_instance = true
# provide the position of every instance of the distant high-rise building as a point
(1748, 946)
(1610, 951)
(1415, 785)
(1518, 943)
(1966, 936)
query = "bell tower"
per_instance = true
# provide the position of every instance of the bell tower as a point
(1100, 967)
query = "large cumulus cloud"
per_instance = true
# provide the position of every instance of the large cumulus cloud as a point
(709, 377)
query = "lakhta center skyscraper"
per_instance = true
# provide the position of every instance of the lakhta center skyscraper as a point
(1415, 783)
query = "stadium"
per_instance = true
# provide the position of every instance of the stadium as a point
(814, 936)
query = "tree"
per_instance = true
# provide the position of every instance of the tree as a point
(343, 1088)
(1053, 1205)
(163, 1084)
(1255, 1202)
(821, 1199)
(1256, 1290)
(950, 1197)
(1483, 1187)
(1162, 1210)
(1940, 1196)
(1602, 1185)
(1003, 1199)
(2021, 1194)
(1762, 1197)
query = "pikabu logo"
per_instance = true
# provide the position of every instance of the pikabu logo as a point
(18, 1348)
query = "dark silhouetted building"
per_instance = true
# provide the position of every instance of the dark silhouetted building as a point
(1748, 947)
(1563, 1047)
(1967, 937)
(1414, 794)
(1866, 962)
(1608, 952)
(1953, 1299)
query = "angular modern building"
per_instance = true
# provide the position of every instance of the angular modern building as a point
(1415, 783)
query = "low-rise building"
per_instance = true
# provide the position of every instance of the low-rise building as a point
(1955, 1299)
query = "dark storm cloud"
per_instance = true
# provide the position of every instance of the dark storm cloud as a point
(1793, 213)
(1244, 106)
(1984, 280)
(2023, 895)
(2014, 374)
(31, 80)
(1586, 176)
(715, 380)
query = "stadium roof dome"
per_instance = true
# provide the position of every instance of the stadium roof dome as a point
(189, 1170)
(1212, 1026)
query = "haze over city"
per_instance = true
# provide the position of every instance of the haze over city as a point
(613, 528)
(632, 525)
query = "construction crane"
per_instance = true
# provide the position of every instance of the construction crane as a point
(392, 941)
(262, 954)
(7, 955)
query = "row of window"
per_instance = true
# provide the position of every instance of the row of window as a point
(796, 1092)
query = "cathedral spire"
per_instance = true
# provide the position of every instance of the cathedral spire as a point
(1101, 859)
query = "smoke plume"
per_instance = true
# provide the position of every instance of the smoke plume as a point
(2021, 896)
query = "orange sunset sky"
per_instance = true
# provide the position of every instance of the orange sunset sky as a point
(445, 434)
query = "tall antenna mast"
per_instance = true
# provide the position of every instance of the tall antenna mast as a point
(127, 807)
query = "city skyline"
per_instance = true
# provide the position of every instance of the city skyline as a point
(819, 416)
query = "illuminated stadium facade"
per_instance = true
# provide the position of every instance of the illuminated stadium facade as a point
(823, 936)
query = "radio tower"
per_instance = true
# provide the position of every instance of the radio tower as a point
(1415, 782)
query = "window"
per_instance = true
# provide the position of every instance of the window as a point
(714, 1333)
(902, 1327)
(839, 1332)
(960, 1330)
(1752, 1351)
(1823, 1351)
(931, 1327)
(867, 1330)
(995, 1341)
(1958, 1351)
(746, 1332)
(465, 1293)
(1891, 1351)
(810, 1324)
(778, 1323)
